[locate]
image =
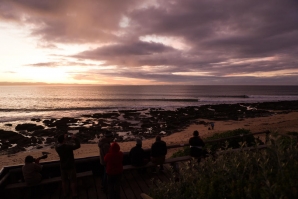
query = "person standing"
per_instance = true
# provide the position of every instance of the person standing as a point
(212, 125)
(114, 166)
(158, 152)
(67, 162)
(137, 155)
(196, 146)
(104, 146)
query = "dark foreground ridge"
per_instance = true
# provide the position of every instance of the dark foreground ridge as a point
(146, 123)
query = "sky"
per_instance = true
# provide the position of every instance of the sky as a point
(155, 42)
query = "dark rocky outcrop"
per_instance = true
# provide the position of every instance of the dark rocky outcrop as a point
(50, 140)
(45, 132)
(36, 119)
(106, 115)
(49, 123)
(8, 138)
(28, 127)
(281, 105)
(62, 123)
(147, 125)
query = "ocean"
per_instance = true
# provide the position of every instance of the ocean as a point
(21, 103)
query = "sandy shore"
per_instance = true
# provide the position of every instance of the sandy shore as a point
(281, 123)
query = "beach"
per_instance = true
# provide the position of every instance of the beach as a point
(281, 122)
(32, 118)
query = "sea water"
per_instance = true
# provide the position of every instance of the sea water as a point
(18, 103)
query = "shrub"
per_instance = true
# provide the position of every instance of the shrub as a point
(232, 143)
(214, 146)
(183, 152)
(267, 173)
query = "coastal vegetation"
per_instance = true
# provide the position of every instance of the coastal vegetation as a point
(239, 136)
(259, 173)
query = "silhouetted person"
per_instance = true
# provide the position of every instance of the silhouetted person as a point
(196, 146)
(113, 160)
(137, 155)
(67, 162)
(212, 125)
(32, 170)
(158, 152)
(104, 146)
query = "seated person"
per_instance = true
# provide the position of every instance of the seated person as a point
(32, 170)
(137, 155)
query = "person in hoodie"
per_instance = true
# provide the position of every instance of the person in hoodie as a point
(104, 146)
(114, 165)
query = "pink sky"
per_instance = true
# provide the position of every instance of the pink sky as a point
(201, 42)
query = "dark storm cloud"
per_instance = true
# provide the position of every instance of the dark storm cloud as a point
(227, 28)
(68, 21)
(130, 49)
(216, 31)
(132, 54)
(220, 37)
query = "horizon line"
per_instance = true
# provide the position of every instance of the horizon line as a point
(78, 84)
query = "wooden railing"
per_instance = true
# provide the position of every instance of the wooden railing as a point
(4, 173)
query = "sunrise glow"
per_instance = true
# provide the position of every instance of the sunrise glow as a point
(150, 42)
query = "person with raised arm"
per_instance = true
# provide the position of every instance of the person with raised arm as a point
(67, 162)
(32, 169)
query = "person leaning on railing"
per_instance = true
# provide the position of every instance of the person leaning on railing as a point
(158, 153)
(137, 155)
(196, 146)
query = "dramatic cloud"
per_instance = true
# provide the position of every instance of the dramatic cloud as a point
(132, 54)
(167, 41)
(74, 21)
(59, 64)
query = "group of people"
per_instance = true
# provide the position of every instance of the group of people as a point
(111, 158)
(32, 169)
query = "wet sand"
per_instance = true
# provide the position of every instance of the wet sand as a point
(282, 123)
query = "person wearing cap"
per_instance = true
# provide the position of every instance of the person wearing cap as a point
(196, 146)
(32, 170)
(67, 162)
(137, 155)
(158, 152)
(114, 166)
(104, 146)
